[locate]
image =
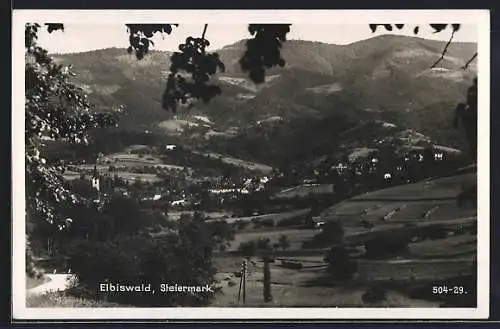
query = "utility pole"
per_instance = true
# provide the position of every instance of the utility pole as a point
(239, 290)
(267, 280)
(242, 282)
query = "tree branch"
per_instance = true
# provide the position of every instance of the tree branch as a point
(444, 50)
(469, 61)
(204, 31)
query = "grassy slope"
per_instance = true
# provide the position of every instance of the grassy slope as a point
(427, 260)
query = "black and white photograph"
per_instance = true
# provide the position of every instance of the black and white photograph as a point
(250, 164)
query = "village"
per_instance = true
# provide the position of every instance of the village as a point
(290, 218)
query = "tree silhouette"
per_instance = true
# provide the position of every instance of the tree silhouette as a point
(55, 108)
(340, 265)
(283, 242)
(466, 116)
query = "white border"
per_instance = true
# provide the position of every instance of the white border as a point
(480, 18)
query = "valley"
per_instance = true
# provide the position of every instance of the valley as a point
(338, 182)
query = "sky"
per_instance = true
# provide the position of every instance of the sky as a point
(79, 37)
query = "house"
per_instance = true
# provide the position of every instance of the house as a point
(178, 202)
(438, 156)
(122, 191)
(318, 222)
(155, 197)
(170, 147)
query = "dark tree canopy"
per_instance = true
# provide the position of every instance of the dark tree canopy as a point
(57, 109)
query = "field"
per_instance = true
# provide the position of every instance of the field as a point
(275, 217)
(406, 278)
(258, 167)
(305, 190)
(34, 282)
(176, 215)
(127, 166)
(60, 299)
(296, 236)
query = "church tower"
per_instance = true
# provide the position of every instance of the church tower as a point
(95, 179)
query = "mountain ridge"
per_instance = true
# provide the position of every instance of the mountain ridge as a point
(386, 77)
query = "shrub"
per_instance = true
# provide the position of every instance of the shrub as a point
(434, 232)
(267, 222)
(387, 246)
(283, 242)
(340, 265)
(292, 265)
(374, 295)
(332, 233)
(263, 244)
(247, 248)
(308, 244)
(242, 224)
(138, 258)
(366, 224)
(290, 221)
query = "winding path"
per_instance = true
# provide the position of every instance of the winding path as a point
(57, 282)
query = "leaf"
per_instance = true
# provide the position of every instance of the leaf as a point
(399, 26)
(415, 30)
(373, 27)
(51, 27)
(263, 50)
(388, 27)
(438, 27)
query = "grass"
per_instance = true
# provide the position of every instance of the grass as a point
(54, 299)
(430, 270)
(265, 169)
(426, 261)
(132, 176)
(275, 216)
(459, 245)
(295, 237)
(34, 282)
(305, 190)
(448, 187)
(288, 291)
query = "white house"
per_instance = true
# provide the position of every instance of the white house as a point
(170, 147)
(438, 156)
(178, 202)
(264, 180)
(155, 197)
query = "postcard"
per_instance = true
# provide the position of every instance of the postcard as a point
(250, 165)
